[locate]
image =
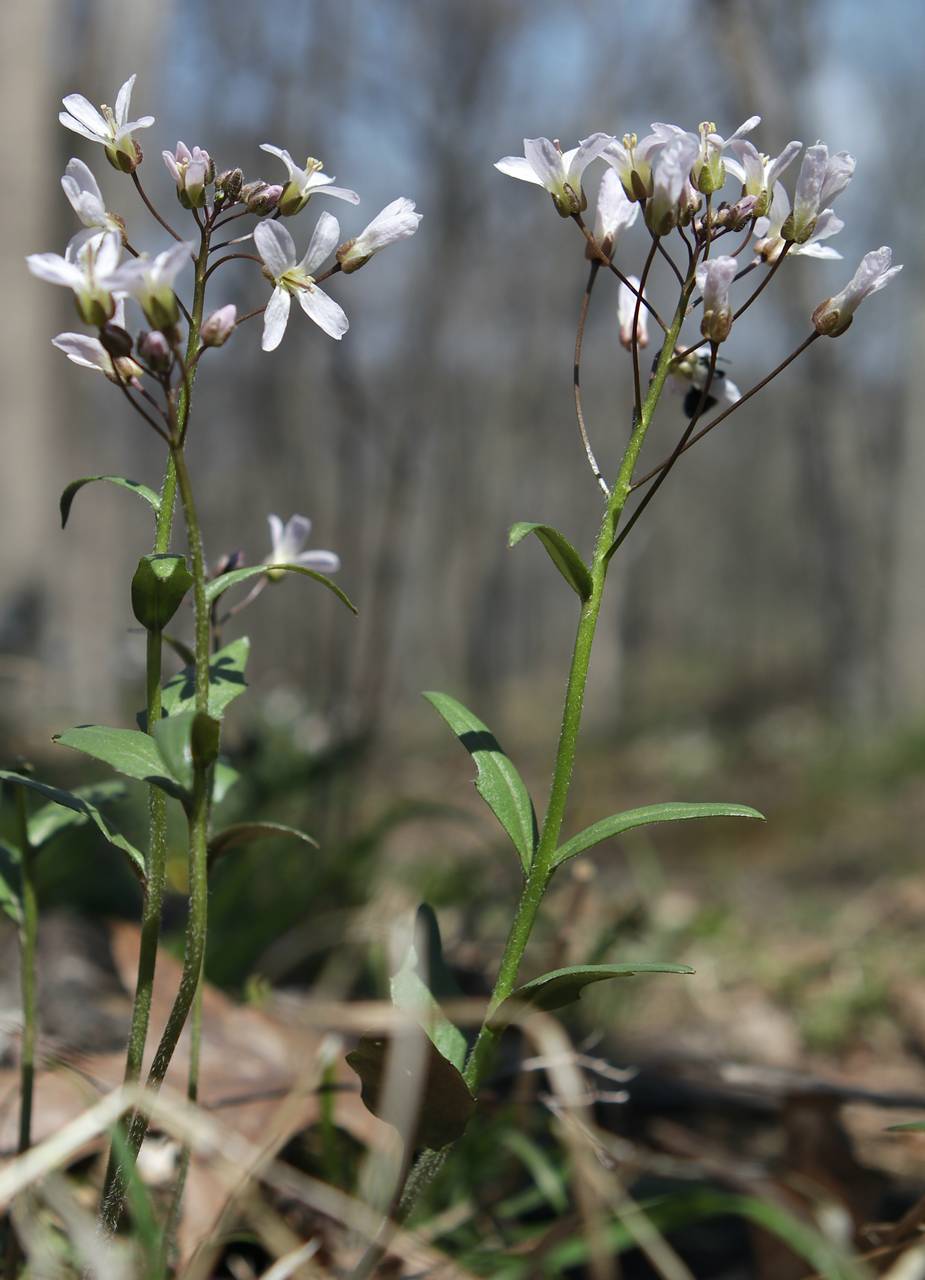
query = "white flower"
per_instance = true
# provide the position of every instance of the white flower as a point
(708, 173)
(111, 128)
(305, 183)
(90, 353)
(769, 239)
(671, 166)
(559, 172)
(614, 212)
(397, 221)
(820, 180)
(287, 543)
(86, 200)
(833, 316)
(150, 282)
(714, 278)
(91, 268)
(758, 173)
(192, 171)
(632, 162)
(275, 245)
(626, 310)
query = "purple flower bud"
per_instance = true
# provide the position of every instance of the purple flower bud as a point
(154, 349)
(219, 327)
(265, 199)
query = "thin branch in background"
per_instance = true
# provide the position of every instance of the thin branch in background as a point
(765, 282)
(637, 381)
(606, 262)
(151, 209)
(229, 257)
(669, 259)
(579, 413)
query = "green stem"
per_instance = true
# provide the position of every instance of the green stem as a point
(28, 939)
(114, 1185)
(429, 1163)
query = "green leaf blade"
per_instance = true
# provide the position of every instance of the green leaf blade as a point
(218, 586)
(45, 823)
(564, 986)
(72, 490)
(497, 780)
(673, 811)
(128, 751)
(445, 1105)
(561, 553)
(226, 682)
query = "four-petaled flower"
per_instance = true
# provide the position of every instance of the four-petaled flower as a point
(714, 278)
(86, 200)
(613, 214)
(820, 180)
(150, 282)
(671, 167)
(759, 173)
(632, 163)
(833, 316)
(769, 238)
(305, 182)
(90, 353)
(396, 221)
(111, 128)
(287, 542)
(277, 249)
(192, 171)
(89, 267)
(543, 164)
(708, 173)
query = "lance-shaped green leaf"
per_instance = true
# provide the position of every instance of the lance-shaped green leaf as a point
(242, 833)
(72, 490)
(218, 586)
(412, 989)
(617, 823)
(53, 817)
(445, 1105)
(497, 781)
(226, 682)
(563, 986)
(561, 553)
(86, 809)
(128, 751)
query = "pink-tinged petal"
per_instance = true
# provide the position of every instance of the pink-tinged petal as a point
(123, 101)
(275, 318)
(546, 162)
(326, 313)
(76, 127)
(827, 224)
(837, 176)
(518, 167)
(324, 241)
(83, 350)
(809, 184)
(339, 193)
(86, 113)
(170, 161)
(320, 561)
(276, 246)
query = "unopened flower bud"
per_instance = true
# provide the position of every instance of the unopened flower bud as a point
(158, 588)
(743, 211)
(219, 327)
(115, 341)
(264, 199)
(714, 278)
(192, 171)
(224, 564)
(228, 184)
(154, 349)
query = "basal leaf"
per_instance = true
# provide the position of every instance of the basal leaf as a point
(563, 986)
(561, 553)
(445, 1105)
(218, 586)
(240, 833)
(142, 490)
(497, 782)
(128, 751)
(79, 804)
(617, 823)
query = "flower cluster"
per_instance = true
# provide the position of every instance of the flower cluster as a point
(103, 270)
(677, 178)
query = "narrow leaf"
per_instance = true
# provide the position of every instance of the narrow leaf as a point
(173, 739)
(218, 586)
(128, 751)
(79, 804)
(10, 882)
(497, 782)
(411, 989)
(563, 986)
(226, 682)
(617, 823)
(247, 832)
(445, 1104)
(54, 817)
(561, 553)
(70, 493)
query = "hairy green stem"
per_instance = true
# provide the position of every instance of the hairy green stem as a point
(28, 936)
(114, 1185)
(429, 1163)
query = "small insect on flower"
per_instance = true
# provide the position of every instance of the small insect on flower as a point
(692, 372)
